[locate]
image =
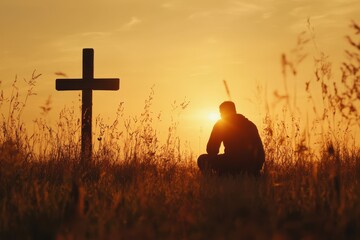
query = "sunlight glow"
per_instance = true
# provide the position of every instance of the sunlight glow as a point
(213, 116)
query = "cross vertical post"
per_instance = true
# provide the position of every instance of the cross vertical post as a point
(87, 84)
(86, 119)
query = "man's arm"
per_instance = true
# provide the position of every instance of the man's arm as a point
(215, 140)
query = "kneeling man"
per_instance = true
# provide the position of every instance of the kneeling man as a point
(243, 153)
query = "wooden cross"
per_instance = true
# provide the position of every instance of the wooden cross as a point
(86, 84)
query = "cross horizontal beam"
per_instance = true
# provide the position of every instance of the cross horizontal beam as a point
(80, 84)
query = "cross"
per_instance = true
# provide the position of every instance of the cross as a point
(86, 84)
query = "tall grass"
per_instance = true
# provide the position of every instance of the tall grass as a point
(139, 187)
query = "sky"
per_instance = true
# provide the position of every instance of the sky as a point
(183, 50)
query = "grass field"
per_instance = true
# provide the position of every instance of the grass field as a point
(138, 199)
(139, 188)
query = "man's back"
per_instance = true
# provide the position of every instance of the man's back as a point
(240, 138)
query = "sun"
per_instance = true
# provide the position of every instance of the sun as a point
(213, 116)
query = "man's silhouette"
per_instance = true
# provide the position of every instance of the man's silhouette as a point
(243, 153)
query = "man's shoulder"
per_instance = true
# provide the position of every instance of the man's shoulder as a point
(240, 117)
(242, 120)
(219, 123)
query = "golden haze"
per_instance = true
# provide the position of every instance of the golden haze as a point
(185, 49)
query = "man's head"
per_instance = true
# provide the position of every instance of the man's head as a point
(227, 108)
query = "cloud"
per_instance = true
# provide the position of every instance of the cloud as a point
(329, 8)
(94, 34)
(91, 38)
(332, 14)
(240, 7)
(133, 22)
(232, 8)
(77, 41)
(168, 5)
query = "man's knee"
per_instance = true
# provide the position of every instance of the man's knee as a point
(202, 159)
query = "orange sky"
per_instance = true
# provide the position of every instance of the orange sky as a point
(182, 48)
